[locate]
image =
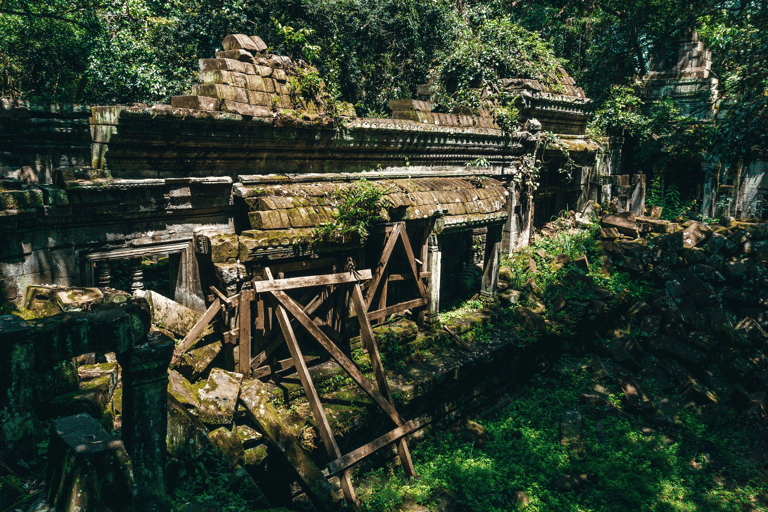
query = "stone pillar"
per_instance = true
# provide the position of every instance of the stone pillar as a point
(491, 265)
(137, 275)
(145, 382)
(103, 277)
(512, 228)
(434, 261)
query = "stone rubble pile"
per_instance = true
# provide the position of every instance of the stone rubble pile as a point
(705, 332)
(245, 79)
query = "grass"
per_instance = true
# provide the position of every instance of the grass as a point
(701, 461)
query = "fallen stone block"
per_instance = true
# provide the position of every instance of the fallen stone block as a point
(88, 469)
(218, 398)
(186, 438)
(624, 223)
(193, 363)
(696, 234)
(572, 432)
(169, 314)
(651, 225)
(228, 443)
(256, 399)
(182, 390)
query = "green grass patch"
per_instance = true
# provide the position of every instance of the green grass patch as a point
(704, 462)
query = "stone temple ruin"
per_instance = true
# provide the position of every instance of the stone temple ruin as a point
(225, 188)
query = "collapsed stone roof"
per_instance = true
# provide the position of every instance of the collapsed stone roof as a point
(286, 214)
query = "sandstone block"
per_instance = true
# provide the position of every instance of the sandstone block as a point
(223, 247)
(90, 469)
(255, 83)
(279, 75)
(283, 101)
(269, 85)
(625, 224)
(259, 98)
(245, 109)
(218, 398)
(263, 71)
(237, 54)
(261, 48)
(182, 390)
(267, 220)
(221, 92)
(696, 234)
(186, 438)
(239, 41)
(195, 102)
(228, 444)
(218, 76)
(195, 362)
(222, 64)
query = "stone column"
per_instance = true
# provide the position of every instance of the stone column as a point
(137, 275)
(145, 382)
(434, 261)
(512, 228)
(491, 265)
(103, 277)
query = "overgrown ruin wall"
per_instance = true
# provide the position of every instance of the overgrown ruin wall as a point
(86, 187)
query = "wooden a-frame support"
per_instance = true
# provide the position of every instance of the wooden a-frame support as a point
(381, 396)
(381, 275)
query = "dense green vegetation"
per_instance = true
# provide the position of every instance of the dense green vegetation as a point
(688, 460)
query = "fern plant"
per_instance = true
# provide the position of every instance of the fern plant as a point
(357, 209)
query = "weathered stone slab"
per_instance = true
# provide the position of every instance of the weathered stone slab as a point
(186, 438)
(236, 54)
(195, 102)
(228, 443)
(169, 314)
(239, 41)
(195, 362)
(625, 224)
(90, 469)
(256, 399)
(261, 47)
(78, 299)
(696, 234)
(182, 390)
(572, 432)
(218, 398)
(651, 225)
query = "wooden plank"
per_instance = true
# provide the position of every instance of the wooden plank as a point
(197, 330)
(384, 293)
(458, 339)
(304, 282)
(258, 360)
(226, 300)
(355, 456)
(231, 337)
(412, 262)
(281, 366)
(403, 277)
(389, 246)
(366, 333)
(397, 308)
(244, 311)
(312, 396)
(298, 266)
(338, 356)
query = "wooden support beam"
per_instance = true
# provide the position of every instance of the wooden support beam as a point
(312, 396)
(366, 333)
(298, 266)
(458, 339)
(378, 272)
(226, 300)
(355, 456)
(397, 308)
(281, 366)
(304, 282)
(404, 277)
(197, 330)
(338, 356)
(412, 262)
(244, 311)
